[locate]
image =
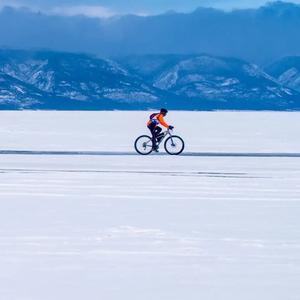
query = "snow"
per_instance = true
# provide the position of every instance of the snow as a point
(230, 81)
(121, 94)
(19, 89)
(86, 218)
(253, 70)
(291, 78)
(168, 79)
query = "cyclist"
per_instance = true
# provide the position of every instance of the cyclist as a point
(157, 119)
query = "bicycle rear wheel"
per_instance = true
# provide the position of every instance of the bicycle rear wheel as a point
(143, 145)
(174, 145)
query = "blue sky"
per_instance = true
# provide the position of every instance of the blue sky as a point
(107, 8)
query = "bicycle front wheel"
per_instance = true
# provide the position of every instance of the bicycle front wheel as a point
(174, 145)
(143, 145)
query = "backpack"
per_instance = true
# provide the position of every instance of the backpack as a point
(153, 120)
(153, 116)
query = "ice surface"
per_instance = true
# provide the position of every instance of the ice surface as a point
(158, 227)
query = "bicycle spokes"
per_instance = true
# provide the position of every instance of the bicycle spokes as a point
(144, 145)
(174, 145)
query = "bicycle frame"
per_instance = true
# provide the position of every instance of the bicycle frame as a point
(165, 133)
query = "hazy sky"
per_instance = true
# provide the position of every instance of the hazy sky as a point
(107, 8)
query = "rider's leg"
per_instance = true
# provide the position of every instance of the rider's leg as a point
(158, 134)
(152, 129)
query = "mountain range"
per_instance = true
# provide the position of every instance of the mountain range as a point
(60, 80)
(287, 72)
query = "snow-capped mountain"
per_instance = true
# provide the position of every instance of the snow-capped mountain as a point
(205, 79)
(76, 77)
(287, 71)
(17, 94)
(55, 80)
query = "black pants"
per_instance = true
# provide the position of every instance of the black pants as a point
(155, 131)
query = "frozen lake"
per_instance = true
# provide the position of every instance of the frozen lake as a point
(83, 217)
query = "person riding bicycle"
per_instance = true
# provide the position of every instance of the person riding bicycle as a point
(155, 120)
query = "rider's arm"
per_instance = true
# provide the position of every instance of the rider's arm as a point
(162, 121)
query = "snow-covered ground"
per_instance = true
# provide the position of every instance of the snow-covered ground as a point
(83, 218)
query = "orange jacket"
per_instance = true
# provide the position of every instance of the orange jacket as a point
(160, 118)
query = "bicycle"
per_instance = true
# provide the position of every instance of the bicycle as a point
(174, 144)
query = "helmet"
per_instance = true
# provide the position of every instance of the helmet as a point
(163, 110)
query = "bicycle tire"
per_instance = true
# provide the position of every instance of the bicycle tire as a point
(170, 139)
(150, 146)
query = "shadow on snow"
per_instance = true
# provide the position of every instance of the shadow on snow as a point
(116, 153)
